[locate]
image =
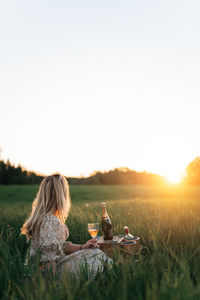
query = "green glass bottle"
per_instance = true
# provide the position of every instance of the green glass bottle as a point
(106, 224)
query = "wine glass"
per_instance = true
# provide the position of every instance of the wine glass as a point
(93, 229)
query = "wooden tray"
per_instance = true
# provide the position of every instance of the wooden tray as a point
(115, 241)
(108, 246)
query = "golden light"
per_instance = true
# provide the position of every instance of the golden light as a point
(173, 178)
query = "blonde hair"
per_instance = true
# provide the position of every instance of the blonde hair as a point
(52, 199)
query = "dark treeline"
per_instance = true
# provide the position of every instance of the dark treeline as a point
(9, 174)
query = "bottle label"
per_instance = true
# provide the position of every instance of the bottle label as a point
(107, 220)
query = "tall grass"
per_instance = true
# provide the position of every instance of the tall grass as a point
(167, 220)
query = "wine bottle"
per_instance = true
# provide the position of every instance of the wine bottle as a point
(106, 224)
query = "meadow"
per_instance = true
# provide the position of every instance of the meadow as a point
(167, 219)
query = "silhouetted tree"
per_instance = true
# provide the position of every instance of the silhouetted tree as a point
(9, 174)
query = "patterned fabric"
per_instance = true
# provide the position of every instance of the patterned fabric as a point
(93, 259)
(51, 241)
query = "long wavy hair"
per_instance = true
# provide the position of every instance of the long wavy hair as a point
(53, 198)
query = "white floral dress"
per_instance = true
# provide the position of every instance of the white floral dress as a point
(50, 242)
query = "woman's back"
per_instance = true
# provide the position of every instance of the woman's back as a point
(50, 239)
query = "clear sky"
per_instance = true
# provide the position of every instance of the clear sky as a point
(93, 85)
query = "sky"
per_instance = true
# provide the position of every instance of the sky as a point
(94, 85)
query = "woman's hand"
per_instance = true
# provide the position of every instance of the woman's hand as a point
(69, 248)
(90, 244)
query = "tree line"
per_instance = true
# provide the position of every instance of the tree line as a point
(10, 174)
(119, 176)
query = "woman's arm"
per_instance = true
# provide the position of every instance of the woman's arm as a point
(70, 248)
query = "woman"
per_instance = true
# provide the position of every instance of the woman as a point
(47, 232)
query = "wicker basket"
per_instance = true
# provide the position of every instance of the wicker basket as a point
(108, 246)
(135, 239)
(129, 248)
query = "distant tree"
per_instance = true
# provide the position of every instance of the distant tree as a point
(193, 171)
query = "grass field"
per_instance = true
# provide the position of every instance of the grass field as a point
(167, 220)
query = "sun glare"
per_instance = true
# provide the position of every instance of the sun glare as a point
(173, 178)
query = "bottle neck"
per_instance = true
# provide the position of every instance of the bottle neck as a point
(104, 213)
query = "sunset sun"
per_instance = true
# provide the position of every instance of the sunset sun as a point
(173, 178)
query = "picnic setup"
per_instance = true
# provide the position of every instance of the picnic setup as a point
(127, 244)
